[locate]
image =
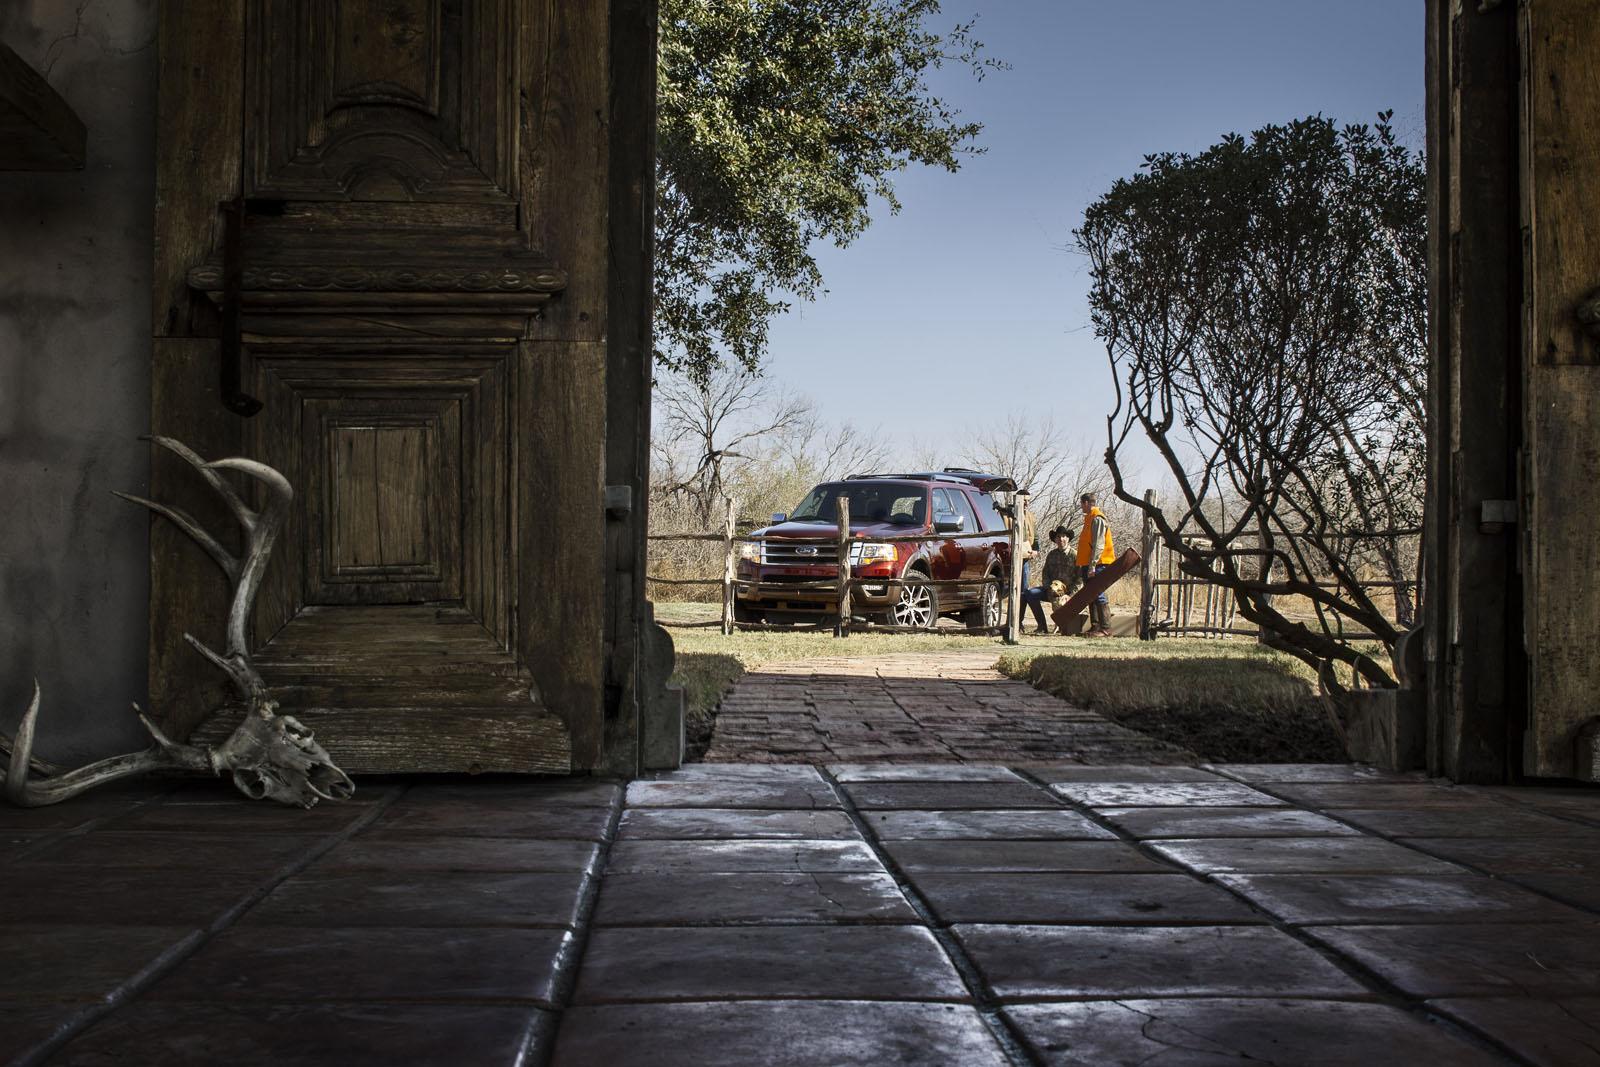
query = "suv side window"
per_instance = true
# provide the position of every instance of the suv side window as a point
(964, 509)
(989, 513)
(943, 508)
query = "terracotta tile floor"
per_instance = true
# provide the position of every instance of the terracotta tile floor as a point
(950, 913)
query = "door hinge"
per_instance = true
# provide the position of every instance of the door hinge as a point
(1496, 516)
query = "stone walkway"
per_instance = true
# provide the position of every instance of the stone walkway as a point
(912, 708)
(790, 915)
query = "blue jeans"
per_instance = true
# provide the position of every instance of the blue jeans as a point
(1034, 598)
(1033, 595)
(1089, 572)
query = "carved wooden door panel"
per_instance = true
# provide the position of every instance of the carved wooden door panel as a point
(1561, 315)
(396, 300)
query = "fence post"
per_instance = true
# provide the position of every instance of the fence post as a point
(1014, 594)
(729, 563)
(1147, 573)
(842, 625)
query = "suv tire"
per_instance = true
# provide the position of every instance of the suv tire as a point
(916, 603)
(990, 611)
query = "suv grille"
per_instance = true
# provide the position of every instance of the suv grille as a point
(800, 553)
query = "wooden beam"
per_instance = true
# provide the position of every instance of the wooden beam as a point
(1561, 124)
(1473, 591)
(38, 129)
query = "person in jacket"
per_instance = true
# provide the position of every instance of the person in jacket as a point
(1058, 567)
(1094, 552)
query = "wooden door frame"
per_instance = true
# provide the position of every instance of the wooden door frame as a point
(1472, 589)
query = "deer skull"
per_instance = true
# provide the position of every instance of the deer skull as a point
(274, 757)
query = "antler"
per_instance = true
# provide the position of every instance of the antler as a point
(165, 754)
(244, 573)
(268, 755)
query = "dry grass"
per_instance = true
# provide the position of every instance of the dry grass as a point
(1124, 674)
(1224, 700)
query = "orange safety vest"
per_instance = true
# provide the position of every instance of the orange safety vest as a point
(1085, 542)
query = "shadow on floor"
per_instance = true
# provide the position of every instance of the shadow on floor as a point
(1225, 708)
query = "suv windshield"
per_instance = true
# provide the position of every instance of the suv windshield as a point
(891, 502)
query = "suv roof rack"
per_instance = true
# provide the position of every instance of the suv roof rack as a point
(920, 476)
(989, 483)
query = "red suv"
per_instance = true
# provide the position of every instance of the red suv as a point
(803, 550)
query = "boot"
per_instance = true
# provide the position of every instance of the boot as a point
(1100, 619)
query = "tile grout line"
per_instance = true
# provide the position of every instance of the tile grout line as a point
(1387, 991)
(984, 1000)
(51, 838)
(1409, 843)
(168, 959)
(1447, 1021)
(569, 961)
(1577, 821)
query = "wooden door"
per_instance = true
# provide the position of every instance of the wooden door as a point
(1560, 40)
(419, 279)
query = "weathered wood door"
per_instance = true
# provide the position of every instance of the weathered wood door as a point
(416, 262)
(1512, 603)
(1560, 42)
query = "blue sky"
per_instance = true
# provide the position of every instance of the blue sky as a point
(932, 312)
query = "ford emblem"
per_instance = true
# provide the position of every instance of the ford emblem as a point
(805, 551)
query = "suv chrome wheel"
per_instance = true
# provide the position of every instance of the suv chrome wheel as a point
(915, 605)
(990, 609)
(991, 606)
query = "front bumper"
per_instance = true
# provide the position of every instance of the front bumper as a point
(801, 589)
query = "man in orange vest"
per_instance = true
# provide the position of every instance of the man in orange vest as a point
(1094, 552)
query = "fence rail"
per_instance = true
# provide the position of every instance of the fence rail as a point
(1174, 604)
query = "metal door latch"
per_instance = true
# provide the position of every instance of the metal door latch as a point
(234, 398)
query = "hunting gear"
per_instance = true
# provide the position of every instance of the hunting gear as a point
(1095, 552)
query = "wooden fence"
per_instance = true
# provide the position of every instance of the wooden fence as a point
(1173, 604)
(842, 583)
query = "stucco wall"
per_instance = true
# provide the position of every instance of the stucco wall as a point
(75, 253)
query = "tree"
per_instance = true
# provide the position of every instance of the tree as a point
(1033, 453)
(705, 421)
(818, 449)
(778, 122)
(733, 434)
(1263, 309)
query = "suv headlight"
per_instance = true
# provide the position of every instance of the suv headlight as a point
(864, 552)
(750, 551)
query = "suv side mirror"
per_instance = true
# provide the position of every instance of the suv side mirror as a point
(951, 525)
(778, 516)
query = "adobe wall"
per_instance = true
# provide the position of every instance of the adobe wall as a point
(75, 261)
